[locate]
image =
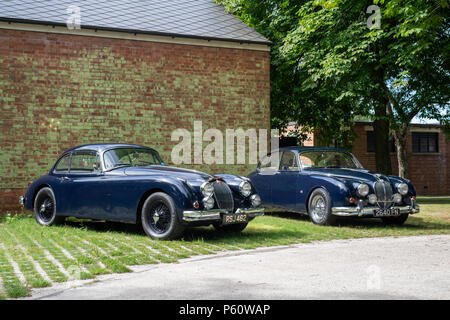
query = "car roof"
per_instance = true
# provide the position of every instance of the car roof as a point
(104, 146)
(304, 148)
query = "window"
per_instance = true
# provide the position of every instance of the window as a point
(84, 162)
(305, 161)
(328, 159)
(424, 142)
(270, 162)
(288, 161)
(371, 142)
(131, 157)
(63, 164)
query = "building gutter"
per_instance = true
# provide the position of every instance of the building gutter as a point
(86, 30)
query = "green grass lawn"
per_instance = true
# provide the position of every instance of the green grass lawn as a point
(32, 256)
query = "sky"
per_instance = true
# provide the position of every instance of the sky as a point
(422, 121)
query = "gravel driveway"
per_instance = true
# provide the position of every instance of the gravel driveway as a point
(375, 268)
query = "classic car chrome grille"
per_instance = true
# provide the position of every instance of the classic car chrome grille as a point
(223, 196)
(383, 191)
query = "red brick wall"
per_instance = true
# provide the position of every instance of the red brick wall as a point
(58, 91)
(428, 172)
(308, 142)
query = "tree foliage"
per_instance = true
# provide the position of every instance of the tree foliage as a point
(328, 66)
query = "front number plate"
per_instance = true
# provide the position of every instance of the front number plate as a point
(387, 212)
(234, 218)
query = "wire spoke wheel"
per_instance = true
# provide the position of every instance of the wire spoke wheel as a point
(46, 209)
(318, 208)
(159, 217)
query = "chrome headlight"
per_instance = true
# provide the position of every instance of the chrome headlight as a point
(397, 198)
(256, 200)
(208, 203)
(402, 188)
(372, 198)
(207, 189)
(245, 188)
(362, 190)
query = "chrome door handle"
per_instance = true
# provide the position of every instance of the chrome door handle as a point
(64, 178)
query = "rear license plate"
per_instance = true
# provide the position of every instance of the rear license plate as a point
(387, 212)
(234, 218)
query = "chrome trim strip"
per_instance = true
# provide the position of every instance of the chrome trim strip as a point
(215, 214)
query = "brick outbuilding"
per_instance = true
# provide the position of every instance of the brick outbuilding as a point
(428, 152)
(134, 72)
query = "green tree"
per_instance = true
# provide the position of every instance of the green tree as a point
(416, 70)
(333, 60)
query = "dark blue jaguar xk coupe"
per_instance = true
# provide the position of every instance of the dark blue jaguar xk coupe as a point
(130, 183)
(328, 182)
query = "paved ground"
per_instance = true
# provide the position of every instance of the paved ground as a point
(378, 268)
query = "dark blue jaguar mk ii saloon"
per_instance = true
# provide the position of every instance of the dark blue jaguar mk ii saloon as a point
(327, 182)
(130, 183)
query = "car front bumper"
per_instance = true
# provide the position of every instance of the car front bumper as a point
(360, 210)
(216, 214)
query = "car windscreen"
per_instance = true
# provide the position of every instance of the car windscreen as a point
(130, 157)
(328, 159)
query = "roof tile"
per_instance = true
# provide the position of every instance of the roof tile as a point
(186, 18)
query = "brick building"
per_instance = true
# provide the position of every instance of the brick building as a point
(134, 72)
(428, 150)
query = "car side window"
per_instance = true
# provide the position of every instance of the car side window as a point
(305, 160)
(270, 162)
(288, 161)
(63, 164)
(85, 162)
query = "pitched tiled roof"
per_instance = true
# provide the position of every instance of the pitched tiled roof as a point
(184, 18)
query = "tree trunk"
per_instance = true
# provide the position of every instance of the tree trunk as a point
(400, 136)
(381, 133)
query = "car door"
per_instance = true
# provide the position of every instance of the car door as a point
(263, 178)
(61, 184)
(285, 182)
(87, 193)
(305, 184)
